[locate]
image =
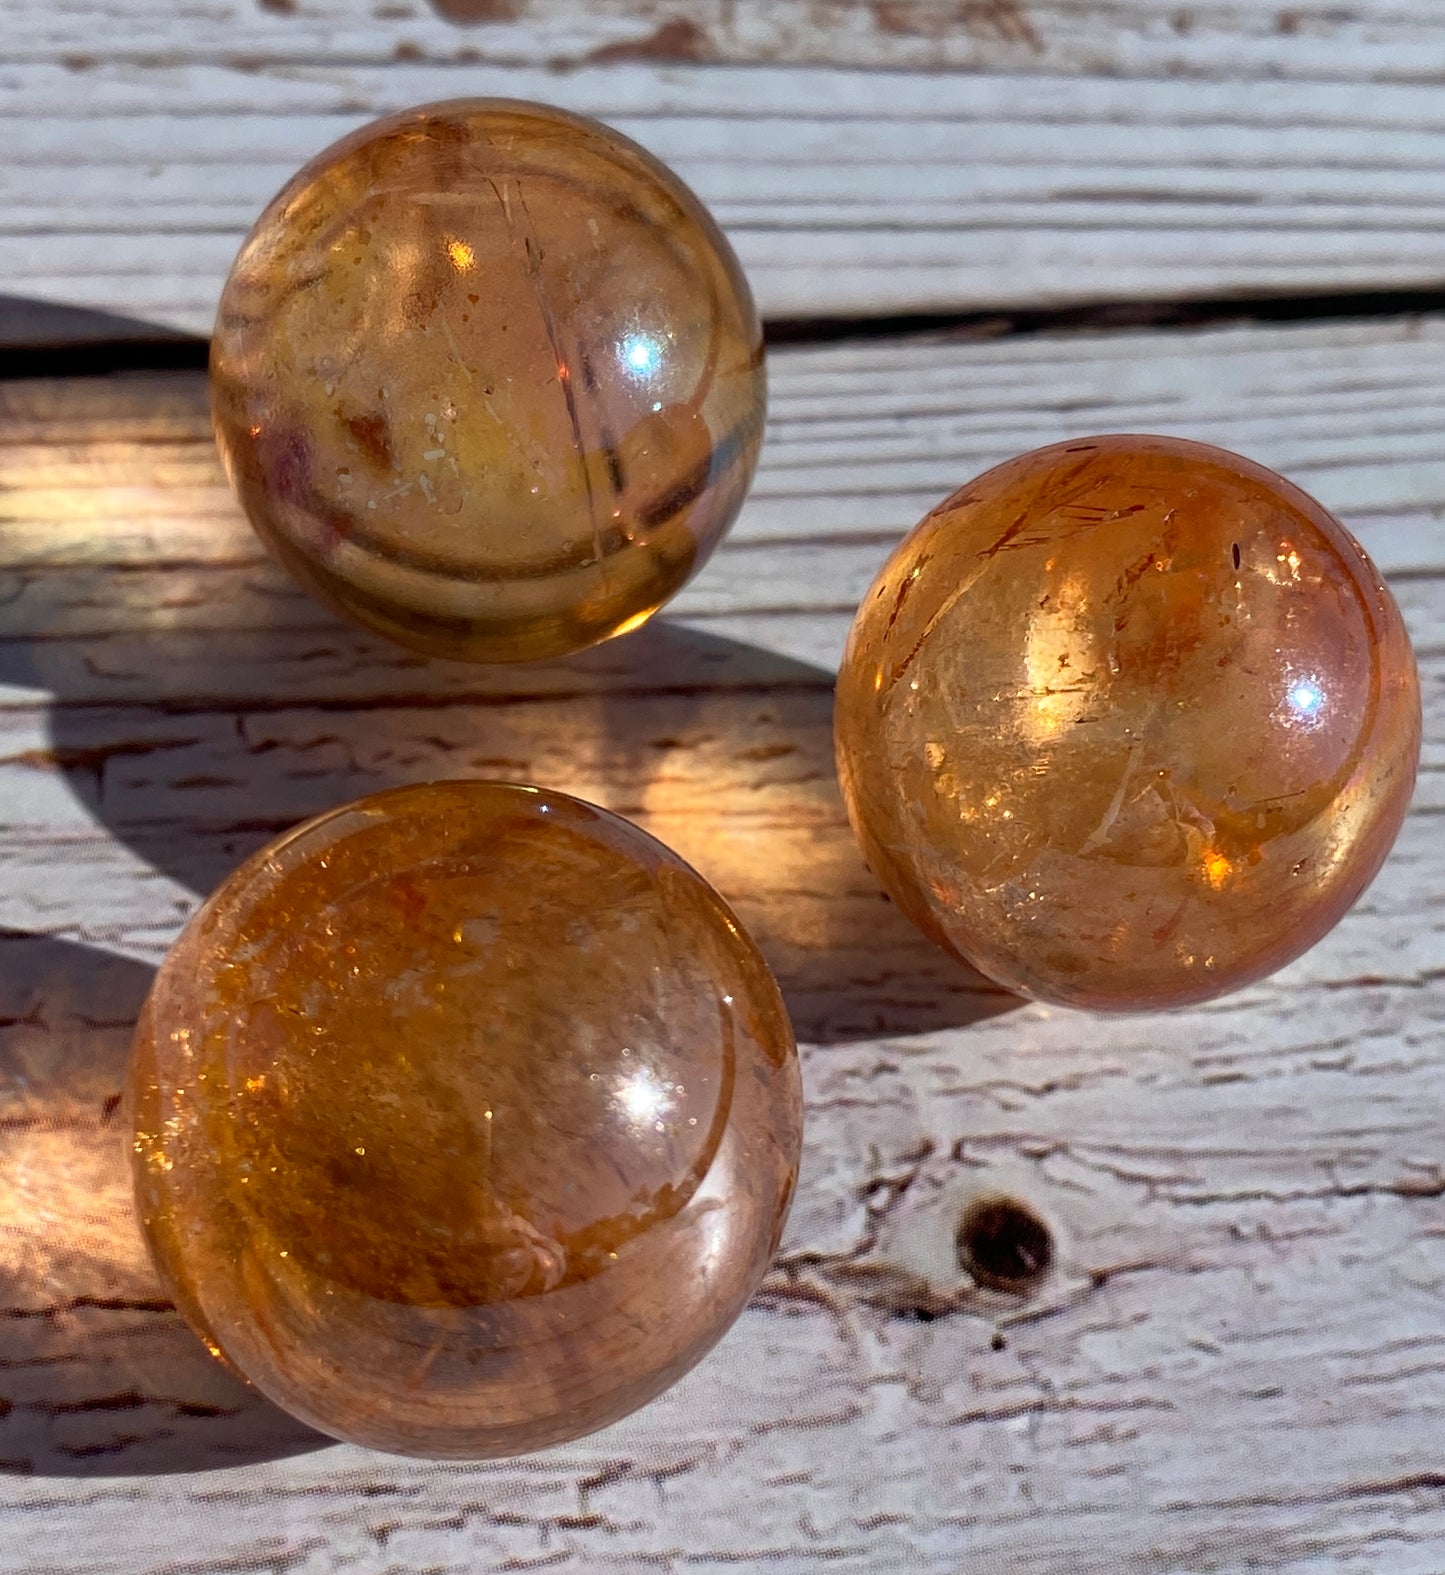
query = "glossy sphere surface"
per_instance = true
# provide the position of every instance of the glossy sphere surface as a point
(1128, 722)
(488, 378)
(466, 1119)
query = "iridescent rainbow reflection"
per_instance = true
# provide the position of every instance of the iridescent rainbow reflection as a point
(1127, 722)
(1306, 699)
(641, 354)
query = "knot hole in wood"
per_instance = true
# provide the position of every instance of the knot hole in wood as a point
(1003, 1243)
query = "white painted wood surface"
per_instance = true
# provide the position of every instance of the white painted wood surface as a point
(1079, 151)
(1238, 1362)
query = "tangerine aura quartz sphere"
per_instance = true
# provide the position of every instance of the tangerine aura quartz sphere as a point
(489, 379)
(466, 1119)
(1127, 722)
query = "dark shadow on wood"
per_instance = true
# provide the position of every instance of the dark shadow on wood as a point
(194, 740)
(46, 339)
(736, 771)
(98, 1374)
(224, 739)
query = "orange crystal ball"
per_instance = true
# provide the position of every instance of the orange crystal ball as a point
(487, 377)
(1127, 722)
(466, 1119)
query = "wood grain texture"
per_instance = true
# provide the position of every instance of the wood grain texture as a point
(1080, 152)
(1238, 1360)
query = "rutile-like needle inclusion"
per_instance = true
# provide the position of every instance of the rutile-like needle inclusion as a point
(489, 379)
(1128, 722)
(466, 1119)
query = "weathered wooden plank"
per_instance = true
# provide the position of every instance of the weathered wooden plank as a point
(1237, 1360)
(1243, 1202)
(1082, 153)
(1209, 39)
(106, 480)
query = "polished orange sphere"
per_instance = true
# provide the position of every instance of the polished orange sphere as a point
(489, 379)
(466, 1119)
(1127, 722)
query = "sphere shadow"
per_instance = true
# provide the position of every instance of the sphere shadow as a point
(49, 339)
(195, 747)
(99, 1376)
